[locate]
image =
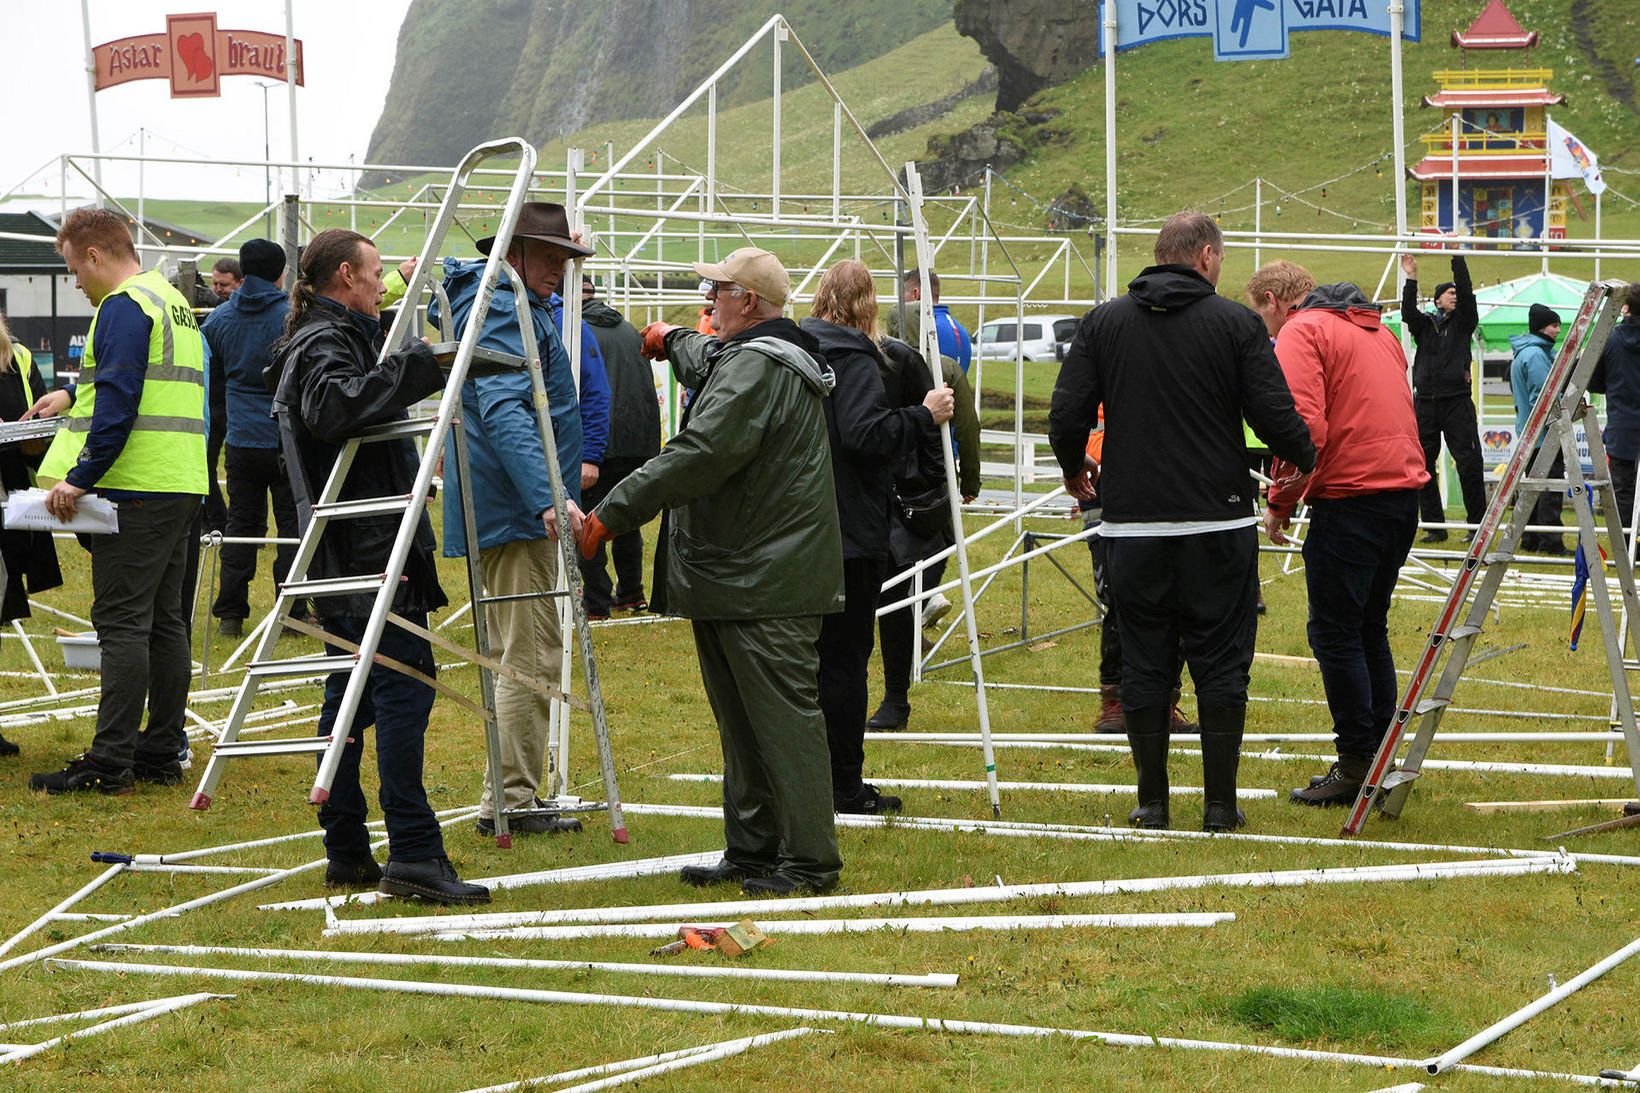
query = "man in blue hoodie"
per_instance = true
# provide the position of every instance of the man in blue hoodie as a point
(512, 500)
(240, 333)
(1534, 352)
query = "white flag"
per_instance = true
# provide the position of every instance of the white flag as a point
(1571, 158)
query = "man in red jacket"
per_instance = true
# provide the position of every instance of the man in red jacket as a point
(1348, 379)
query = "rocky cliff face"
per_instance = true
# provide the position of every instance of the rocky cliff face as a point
(1033, 43)
(470, 70)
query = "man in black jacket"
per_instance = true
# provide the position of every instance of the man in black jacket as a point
(1178, 368)
(330, 385)
(1440, 389)
(634, 438)
(1617, 376)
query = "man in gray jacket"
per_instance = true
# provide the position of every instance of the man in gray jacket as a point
(754, 558)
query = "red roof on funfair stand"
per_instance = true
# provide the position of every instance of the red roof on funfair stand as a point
(1495, 28)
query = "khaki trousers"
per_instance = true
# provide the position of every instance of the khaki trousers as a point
(523, 634)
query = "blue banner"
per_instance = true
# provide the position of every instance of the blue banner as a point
(1245, 30)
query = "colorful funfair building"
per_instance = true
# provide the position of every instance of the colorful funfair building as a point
(1494, 145)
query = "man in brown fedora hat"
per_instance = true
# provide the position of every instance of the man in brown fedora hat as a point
(754, 557)
(512, 497)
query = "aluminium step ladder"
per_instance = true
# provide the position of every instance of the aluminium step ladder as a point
(463, 359)
(1553, 420)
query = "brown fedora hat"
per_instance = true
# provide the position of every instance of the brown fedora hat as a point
(545, 221)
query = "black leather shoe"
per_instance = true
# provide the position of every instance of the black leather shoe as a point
(704, 876)
(434, 880)
(1218, 816)
(866, 801)
(84, 774)
(777, 884)
(231, 628)
(166, 772)
(891, 716)
(7, 748)
(363, 873)
(538, 824)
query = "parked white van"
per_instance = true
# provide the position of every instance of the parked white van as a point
(1045, 337)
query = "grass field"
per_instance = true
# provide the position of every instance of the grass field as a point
(1406, 969)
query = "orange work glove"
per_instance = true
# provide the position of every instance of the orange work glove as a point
(654, 339)
(593, 535)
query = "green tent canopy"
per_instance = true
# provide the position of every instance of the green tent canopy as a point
(1503, 306)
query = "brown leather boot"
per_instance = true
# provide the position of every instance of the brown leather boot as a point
(1175, 718)
(1110, 710)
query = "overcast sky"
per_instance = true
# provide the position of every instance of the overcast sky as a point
(349, 48)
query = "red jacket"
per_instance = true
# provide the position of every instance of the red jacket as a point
(1348, 377)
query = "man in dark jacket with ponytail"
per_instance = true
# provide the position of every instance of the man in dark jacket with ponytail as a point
(1178, 368)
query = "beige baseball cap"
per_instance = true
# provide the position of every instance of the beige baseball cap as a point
(753, 269)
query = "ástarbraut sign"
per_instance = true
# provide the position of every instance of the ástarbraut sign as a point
(194, 55)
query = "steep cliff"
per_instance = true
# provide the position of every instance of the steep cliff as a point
(1033, 43)
(471, 69)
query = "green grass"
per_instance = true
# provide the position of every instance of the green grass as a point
(1304, 1014)
(1461, 953)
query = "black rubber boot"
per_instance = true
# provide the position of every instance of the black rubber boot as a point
(8, 749)
(1147, 737)
(352, 873)
(1339, 786)
(704, 876)
(891, 716)
(1221, 756)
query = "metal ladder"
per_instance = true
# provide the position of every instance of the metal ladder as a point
(1559, 409)
(463, 359)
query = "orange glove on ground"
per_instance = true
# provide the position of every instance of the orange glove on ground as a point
(654, 339)
(593, 536)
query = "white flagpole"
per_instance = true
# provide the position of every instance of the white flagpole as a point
(1108, 29)
(91, 98)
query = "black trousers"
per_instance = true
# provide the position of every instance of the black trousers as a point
(1547, 511)
(253, 475)
(1352, 556)
(897, 629)
(1452, 417)
(1623, 475)
(1189, 596)
(216, 510)
(844, 646)
(627, 550)
(1110, 640)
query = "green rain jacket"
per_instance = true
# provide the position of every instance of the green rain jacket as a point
(753, 531)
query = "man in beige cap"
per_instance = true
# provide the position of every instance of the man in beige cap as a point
(754, 557)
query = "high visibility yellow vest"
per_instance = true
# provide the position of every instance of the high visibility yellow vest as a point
(166, 449)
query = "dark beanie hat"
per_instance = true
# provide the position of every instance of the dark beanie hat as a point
(262, 258)
(1540, 317)
(1442, 287)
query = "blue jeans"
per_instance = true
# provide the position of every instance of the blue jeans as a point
(1352, 555)
(398, 706)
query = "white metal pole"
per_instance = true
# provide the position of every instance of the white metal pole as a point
(1457, 140)
(142, 186)
(103, 878)
(157, 1008)
(1042, 787)
(780, 32)
(837, 162)
(1548, 199)
(1597, 237)
(984, 274)
(814, 927)
(931, 351)
(290, 94)
(91, 104)
(1258, 222)
(1108, 27)
(636, 1070)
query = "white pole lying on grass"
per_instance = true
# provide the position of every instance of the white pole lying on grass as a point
(795, 975)
(1532, 1009)
(948, 897)
(1000, 738)
(1045, 787)
(880, 1020)
(143, 1012)
(931, 353)
(816, 926)
(57, 912)
(1120, 834)
(636, 1070)
(643, 867)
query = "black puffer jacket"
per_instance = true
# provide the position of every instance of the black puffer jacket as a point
(1178, 368)
(634, 412)
(330, 387)
(868, 438)
(1440, 368)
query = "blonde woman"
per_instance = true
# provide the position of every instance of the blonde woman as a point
(30, 556)
(868, 441)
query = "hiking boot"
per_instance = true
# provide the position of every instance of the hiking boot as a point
(1339, 786)
(865, 801)
(779, 885)
(1221, 757)
(1110, 710)
(165, 772)
(555, 824)
(231, 628)
(1147, 737)
(1176, 721)
(82, 774)
(704, 876)
(892, 716)
(363, 873)
(434, 880)
(8, 749)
